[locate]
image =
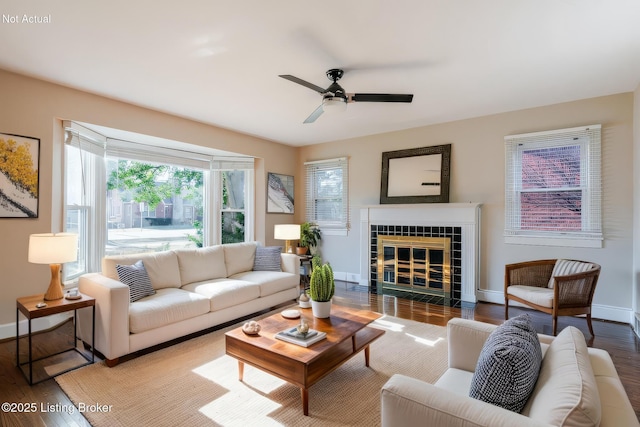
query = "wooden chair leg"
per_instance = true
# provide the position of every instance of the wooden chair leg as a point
(590, 326)
(555, 325)
(506, 309)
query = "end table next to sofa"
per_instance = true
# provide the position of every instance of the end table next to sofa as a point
(28, 307)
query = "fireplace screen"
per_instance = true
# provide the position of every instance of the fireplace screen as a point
(415, 264)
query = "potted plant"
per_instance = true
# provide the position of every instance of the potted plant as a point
(322, 286)
(309, 236)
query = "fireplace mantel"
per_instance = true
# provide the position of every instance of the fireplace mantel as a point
(464, 215)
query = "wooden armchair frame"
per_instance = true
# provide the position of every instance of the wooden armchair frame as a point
(572, 294)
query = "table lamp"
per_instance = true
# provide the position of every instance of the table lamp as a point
(53, 249)
(287, 232)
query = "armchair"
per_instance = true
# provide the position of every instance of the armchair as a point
(556, 287)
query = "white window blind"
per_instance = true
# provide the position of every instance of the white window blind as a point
(327, 190)
(553, 188)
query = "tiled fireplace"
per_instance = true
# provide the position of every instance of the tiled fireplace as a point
(428, 252)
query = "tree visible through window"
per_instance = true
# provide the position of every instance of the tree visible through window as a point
(152, 206)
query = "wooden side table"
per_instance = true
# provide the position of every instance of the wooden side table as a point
(27, 306)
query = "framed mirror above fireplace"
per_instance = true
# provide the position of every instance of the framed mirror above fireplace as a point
(416, 175)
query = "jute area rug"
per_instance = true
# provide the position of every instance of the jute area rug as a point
(194, 383)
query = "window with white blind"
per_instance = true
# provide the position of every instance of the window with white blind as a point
(327, 195)
(553, 188)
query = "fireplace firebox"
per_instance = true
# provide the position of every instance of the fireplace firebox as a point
(415, 264)
(421, 263)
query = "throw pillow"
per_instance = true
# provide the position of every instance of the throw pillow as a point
(508, 365)
(267, 258)
(565, 267)
(135, 276)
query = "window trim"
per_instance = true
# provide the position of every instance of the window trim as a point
(339, 227)
(590, 235)
(101, 147)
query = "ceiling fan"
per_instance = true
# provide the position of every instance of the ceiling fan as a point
(334, 98)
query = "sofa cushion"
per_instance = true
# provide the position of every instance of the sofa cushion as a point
(508, 365)
(270, 282)
(136, 277)
(267, 258)
(567, 392)
(166, 307)
(224, 293)
(162, 267)
(239, 257)
(201, 264)
(565, 267)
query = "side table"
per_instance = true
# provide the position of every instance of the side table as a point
(305, 270)
(27, 306)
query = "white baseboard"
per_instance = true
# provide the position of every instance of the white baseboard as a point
(599, 311)
(8, 330)
(347, 277)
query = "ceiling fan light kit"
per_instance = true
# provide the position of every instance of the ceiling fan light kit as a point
(334, 104)
(335, 99)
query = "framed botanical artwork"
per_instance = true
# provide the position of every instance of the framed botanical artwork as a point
(19, 176)
(279, 193)
(416, 175)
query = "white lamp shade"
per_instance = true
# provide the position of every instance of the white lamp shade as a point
(286, 232)
(53, 248)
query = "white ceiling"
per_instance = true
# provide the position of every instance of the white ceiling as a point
(218, 61)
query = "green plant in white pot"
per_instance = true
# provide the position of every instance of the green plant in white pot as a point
(322, 286)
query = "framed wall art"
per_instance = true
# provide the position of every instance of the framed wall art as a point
(279, 193)
(416, 175)
(19, 176)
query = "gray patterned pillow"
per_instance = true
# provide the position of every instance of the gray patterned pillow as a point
(135, 276)
(267, 258)
(508, 365)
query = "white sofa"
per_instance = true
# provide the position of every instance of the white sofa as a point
(577, 386)
(195, 289)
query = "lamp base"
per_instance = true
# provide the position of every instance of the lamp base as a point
(55, 286)
(288, 247)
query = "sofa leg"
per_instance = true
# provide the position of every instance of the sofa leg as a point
(590, 326)
(112, 362)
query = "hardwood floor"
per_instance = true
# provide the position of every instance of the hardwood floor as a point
(53, 407)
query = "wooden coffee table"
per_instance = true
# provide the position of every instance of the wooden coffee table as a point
(347, 335)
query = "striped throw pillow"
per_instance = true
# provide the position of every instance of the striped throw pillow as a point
(508, 365)
(135, 276)
(267, 258)
(565, 267)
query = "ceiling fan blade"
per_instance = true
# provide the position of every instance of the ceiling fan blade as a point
(303, 83)
(317, 113)
(380, 97)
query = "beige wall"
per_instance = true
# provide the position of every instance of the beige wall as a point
(34, 108)
(477, 175)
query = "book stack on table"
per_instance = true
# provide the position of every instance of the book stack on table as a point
(293, 336)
